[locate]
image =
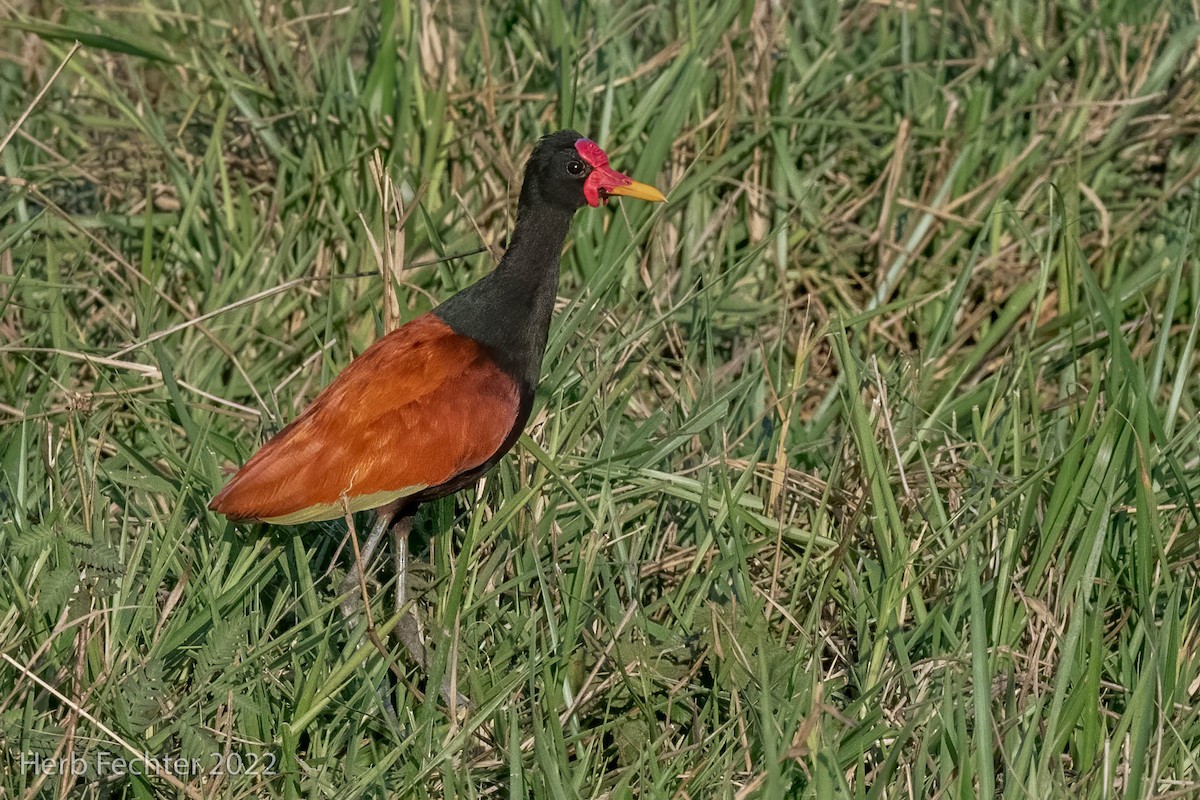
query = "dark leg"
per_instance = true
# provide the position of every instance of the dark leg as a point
(407, 629)
(399, 520)
(350, 595)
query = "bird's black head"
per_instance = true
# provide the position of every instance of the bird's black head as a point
(568, 171)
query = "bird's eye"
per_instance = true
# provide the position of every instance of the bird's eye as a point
(574, 167)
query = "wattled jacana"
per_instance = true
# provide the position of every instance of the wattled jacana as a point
(430, 407)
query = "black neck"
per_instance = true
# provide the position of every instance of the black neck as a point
(509, 309)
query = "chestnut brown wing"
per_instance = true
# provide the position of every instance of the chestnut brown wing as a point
(419, 407)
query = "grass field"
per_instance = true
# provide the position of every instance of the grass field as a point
(866, 467)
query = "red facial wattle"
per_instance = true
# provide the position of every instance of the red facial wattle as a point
(604, 180)
(602, 177)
